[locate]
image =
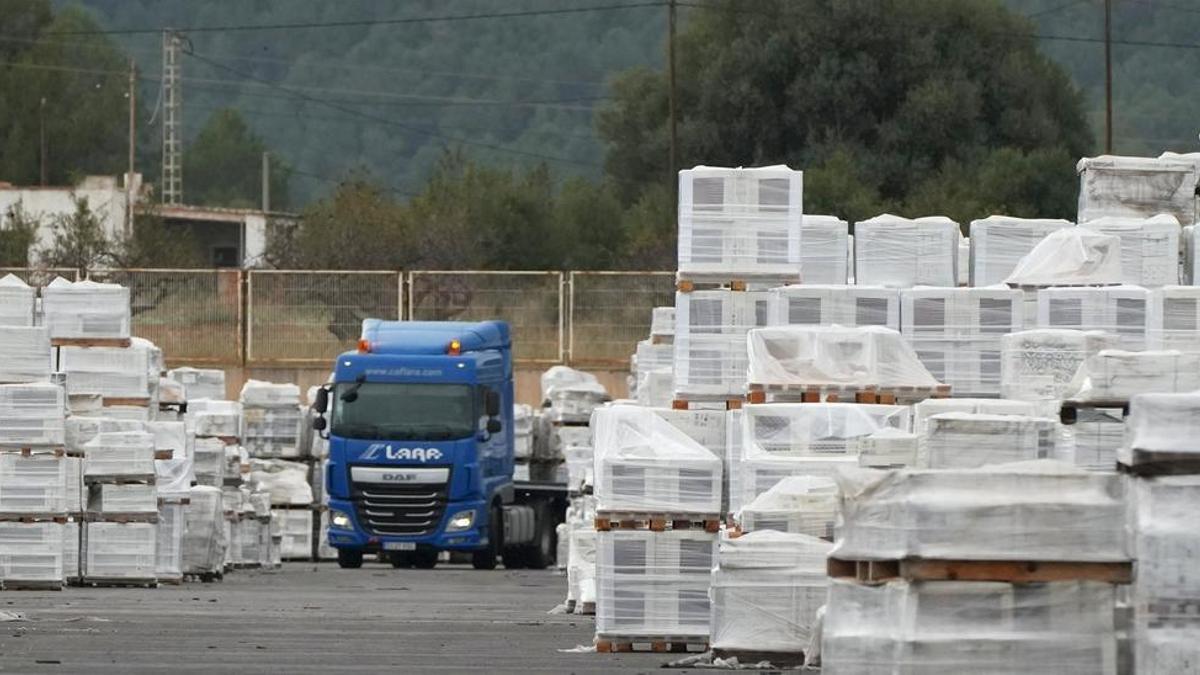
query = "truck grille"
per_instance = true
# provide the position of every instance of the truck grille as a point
(400, 510)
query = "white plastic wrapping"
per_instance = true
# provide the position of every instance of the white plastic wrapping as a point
(1040, 510)
(16, 301)
(85, 309)
(522, 431)
(122, 498)
(73, 489)
(296, 526)
(710, 340)
(818, 305)
(36, 484)
(923, 410)
(1164, 426)
(824, 241)
(740, 222)
(175, 475)
(766, 590)
(210, 417)
(24, 353)
(901, 252)
(1095, 438)
(889, 449)
(204, 541)
(1149, 248)
(72, 533)
(998, 243)
(957, 440)
(654, 373)
(1115, 375)
(170, 391)
(273, 431)
(833, 356)
(1173, 319)
(168, 557)
(81, 428)
(956, 333)
(1039, 365)
(662, 322)
(32, 415)
(1136, 187)
(1070, 257)
(120, 551)
(269, 394)
(644, 463)
(125, 453)
(1119, 310)
(208, 456)
(200, 382)
(31, 552)
(116, 372)
(956, 627)
(653, 583)
(286, 482)
(797, 504)
(1189, 274)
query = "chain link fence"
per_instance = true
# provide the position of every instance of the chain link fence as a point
(531, 302)
(610, 313)
(312, 316)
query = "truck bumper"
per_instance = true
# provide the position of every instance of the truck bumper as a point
(356, 537)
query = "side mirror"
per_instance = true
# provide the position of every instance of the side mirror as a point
(319, 423)
(321, 404)
(491, 403)
(494, 426)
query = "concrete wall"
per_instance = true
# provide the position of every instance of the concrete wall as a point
(105, 197)
(527, 385)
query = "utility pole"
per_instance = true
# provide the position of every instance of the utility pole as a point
(129, 197)
(1108, 113)
(172, 144)
(42, 138)
(266, 182)
(671, 100)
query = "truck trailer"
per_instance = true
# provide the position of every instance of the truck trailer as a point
(419, 421)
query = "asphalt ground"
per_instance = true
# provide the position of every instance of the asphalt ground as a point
(309, 618)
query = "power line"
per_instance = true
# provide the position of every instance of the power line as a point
(1052, 10)
(343, 181)
(387, 121)
(362, 22)
(1170, 8)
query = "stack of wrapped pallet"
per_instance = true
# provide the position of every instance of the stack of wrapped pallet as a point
(216, 429)
(998, 243)
(204, 542)
(822, 305)
(901, 252)
(653, 373)
(658, 498)
(121, 534)
(1149, 247)
(578, 533)
(173, 481)
(1173, 319)
(1164, 460)
(271, 429)
(1137, 187)
(824, 243)
(291, 502)
(562, 449)
(198, 383)
(1017, 574)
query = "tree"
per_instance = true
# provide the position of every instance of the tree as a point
(900, 105)
(78, 240)
(17, 235)
(152, 244)
(223, 165)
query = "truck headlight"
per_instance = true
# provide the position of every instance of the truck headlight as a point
(463, 520)
(340, 520)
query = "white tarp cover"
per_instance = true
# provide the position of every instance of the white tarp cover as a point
(256, 393)
(797, 504)
(1149, 247)
(766, 590)
(959, 440)
(958, 627)
(85, 309)
(175, 475)
(902, 252)
(1115, 375)
(998, 243)
(1038, 510)
(1039, 365)
(1134, 187)
(834, 356)
(287, 482)
(558, 377)
(1071, 257)
(644, 463)
(16, 301)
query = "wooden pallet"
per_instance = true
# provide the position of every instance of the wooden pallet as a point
(90, 342)
(170, 581)
(136, 401)
(662, 339)
(119, 517)
(585, 608)
(781, 660)
(1068, 412)
(687, 282)
(1148, 464)
(10, 517)
(612, 644)
(656, 522)
(1017, 572)
(181, 501)
(730, 402)
(227, 440)
(118, 582)
(816, 393)
(164, 454)
(30, 585)
(36, 450)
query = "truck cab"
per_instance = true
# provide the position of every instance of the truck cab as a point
(420, 427)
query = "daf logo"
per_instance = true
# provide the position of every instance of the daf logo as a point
(384, 451)
(399, 477)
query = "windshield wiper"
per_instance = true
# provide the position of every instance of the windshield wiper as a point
(351, 394)
(422, 431)
(358, 431)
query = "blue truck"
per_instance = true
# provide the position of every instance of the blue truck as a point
(419, 421)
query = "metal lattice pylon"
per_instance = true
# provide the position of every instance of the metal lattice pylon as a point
(172, 143)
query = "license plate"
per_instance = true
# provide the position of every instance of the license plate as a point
(399, 546)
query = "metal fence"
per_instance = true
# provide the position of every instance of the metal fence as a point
(292, 317)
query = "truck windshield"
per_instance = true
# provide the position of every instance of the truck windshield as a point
(394, 411)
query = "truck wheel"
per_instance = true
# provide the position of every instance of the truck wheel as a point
(400, 560)
(425, 559)
(350, 558)
(540, 554)
(485, 559)
(514, 557)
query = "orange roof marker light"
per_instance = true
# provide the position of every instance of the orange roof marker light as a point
(364, 345)
(454, 348)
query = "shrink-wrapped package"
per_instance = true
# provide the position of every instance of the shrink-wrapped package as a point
(122, 498)
(833, 356)
(1118, 310)
(271, 418)
(570, 395)
(175, 475)
(123, 453)
(1149, 248)
(956, 333)
(82, 428)
(957, 440)
(209, 417)
(1190, 272)
(1173, 319)
(286, 482)
(1039, 510)
(32, 415)
(25, 356)
(36, 484)
(1039, 365)
(847, 306)
(72, 541)
(644, 463)
(168, 557)
(200, 382)
(889, 448)
(923, 410)
(208, 457)
(1161, 430)
(296, 526)
(1136, 187)
(998, 243)
(522, 431)
(16, 302)
(654, 373)
(653, 583)
(662, 322)
(120, 551)
(31, 553)
(85, 309)
(797, 504)
(1095, 439)
(824, 241)
(955, 627)
(1115, 375)
(901, 252)
(766, 590)
(1070, 257)
(710, 340)
(739, 223)
(73, 489)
